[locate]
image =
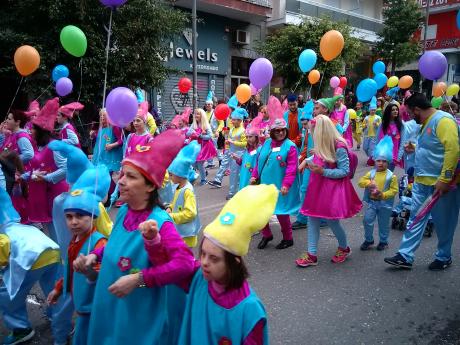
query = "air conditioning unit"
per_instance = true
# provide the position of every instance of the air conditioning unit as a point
(241, 37)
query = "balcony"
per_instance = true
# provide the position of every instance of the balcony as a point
(250, 11)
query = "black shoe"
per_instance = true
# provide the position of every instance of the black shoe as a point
(215, 184)
(298, 225)
(366, 245)
(228, 197)
(264, 241)
(382, 246)
(399, 261)
(358, 147)
(438, 265)
(285, 244)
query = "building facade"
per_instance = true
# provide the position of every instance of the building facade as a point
(228, 32)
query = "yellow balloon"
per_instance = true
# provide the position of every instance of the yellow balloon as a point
(439, 89)
(331, 45)
(352, 114)
(392, 81)
(243, 93)
(452, 90)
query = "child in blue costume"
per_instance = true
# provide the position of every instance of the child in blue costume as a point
(183, 209)
(249, 158)
(221, 306)
(277, 164)
(381, 187)
(137, 302)
(307, 146)
(27, 257)
(81, 207)
(371, 125)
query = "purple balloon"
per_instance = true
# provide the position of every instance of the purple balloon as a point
(112, 3)
(334, 82)
(260, 73)
(253, 90)
(121, 105)
(64, 86)
(432, 65)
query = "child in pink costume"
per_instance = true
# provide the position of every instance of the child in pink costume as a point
(140, 137)
(267, 115)
(392, 126)
(329, 177)
(67, 132)
(181, 121)
(340, 115)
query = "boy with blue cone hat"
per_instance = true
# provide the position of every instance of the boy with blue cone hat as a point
(81, 207)
(234, 147)
(27, 257)
(183, 209)
(371, 124)
(381, 187)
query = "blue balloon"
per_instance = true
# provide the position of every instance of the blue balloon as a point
(381, 80)
(307, 60)
(60, 71)
(378, 67)
(367, 88)
(458, 19)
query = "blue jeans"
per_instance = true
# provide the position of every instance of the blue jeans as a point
(200, 167)
(445, 217)
(229, 163)
(382, 214)
(15, 311)
(369, 145)
(313, 233)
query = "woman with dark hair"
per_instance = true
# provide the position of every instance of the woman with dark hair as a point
(392, 126)
(46, 172)
(137, 302)
(277, 164)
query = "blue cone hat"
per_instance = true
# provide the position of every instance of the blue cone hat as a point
(181, 165)
(384, 149)
(8, 213)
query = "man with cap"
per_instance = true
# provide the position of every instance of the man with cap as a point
(292, 118)
(436, 173)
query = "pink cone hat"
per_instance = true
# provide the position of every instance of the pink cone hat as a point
(69, 109)
(34, 109)
(47, 115)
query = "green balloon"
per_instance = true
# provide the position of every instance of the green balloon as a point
(73, 40)
(436, 102)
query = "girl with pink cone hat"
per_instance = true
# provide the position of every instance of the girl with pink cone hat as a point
(141, 136)
(32, 112)
(340, 115)
(267, 115)
(47, 170)
(67, 132)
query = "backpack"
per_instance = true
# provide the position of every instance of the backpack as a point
(352, 158)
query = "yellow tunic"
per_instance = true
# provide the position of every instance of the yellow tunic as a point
(379, 179)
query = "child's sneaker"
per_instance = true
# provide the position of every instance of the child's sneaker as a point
(366, 245)
(19, 335)
(341, 255)
(382, 246)
(307, 260)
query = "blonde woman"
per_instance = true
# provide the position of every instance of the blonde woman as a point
(201, 131)
(331, 195)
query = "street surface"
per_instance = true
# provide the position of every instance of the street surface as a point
(362, 301)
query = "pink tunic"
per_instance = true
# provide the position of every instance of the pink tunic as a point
(330, 198)
(135, 139)
(64, 135)
(208, 150)
(42, 193)
(339, 116)
(393, 132)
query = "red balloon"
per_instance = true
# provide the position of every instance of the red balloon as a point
(222, 111)
(343, 82)
(184, 85)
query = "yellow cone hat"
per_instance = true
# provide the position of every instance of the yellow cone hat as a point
(245, 214)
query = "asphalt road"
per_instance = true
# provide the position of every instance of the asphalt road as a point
(362, 301)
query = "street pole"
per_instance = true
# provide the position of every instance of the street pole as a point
(195, 91)
(427, 16)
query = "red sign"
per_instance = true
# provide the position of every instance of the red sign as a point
(443, 44)
(438, 3)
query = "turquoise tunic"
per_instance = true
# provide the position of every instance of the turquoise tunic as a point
(112, 158)
(207, 323)
(147, 316)
(273, 173)
(248, 163)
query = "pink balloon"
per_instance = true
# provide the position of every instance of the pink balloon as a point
(334, 82)
(338, 91)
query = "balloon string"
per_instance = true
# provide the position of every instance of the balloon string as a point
(448, 103)
(14, 98)
(321, 81)
(296, 85)
(107, 48)
(36, 99)
(80, 64)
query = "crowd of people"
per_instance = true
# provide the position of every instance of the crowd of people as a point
(135, 279)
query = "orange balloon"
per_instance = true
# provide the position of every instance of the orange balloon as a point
(243, 93)
(331, 45)
(26, 60)
(439, 89)
(313, 76)
(405, 82)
